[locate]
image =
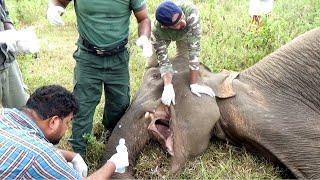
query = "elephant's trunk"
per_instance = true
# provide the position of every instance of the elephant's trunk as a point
(135, 140)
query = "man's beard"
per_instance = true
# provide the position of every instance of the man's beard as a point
(55, 141)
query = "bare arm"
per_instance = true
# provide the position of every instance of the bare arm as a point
(167, 78)
(105, 172)
(144, 27)
(194, 76)
(68, 155)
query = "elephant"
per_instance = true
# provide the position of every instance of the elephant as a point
(271, 108)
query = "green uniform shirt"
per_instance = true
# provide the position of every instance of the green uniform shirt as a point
(105, 23)
(191, 34)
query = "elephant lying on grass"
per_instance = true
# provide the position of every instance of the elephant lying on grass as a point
(271, 108)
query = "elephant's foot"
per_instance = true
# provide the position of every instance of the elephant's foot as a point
(160, 127)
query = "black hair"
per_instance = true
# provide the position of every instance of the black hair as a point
(53, 100)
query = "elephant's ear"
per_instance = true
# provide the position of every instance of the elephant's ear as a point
(221, 83)
(224, 88)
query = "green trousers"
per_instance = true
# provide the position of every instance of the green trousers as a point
(12, 89)
(92, 74)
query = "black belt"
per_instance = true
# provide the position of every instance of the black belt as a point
(103, 51)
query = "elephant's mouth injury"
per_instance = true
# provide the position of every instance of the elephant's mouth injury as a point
(160, 127)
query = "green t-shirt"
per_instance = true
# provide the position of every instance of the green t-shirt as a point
(105, 23)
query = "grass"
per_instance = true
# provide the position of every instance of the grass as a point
(229, 42)
(221, 161)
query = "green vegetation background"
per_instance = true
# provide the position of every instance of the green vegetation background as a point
(229, 41)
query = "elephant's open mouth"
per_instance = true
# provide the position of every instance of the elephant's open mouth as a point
(160, 127)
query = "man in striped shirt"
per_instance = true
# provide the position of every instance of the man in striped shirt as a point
(28, 136)
(178, 22)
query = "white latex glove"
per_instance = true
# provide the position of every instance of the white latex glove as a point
(201, 89)
(120, 160)
(70, 164)
(54, 14)
(168, 95)
(21, 41)
(146, 46)
(79, 165)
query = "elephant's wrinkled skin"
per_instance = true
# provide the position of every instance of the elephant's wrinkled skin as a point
(271, 108)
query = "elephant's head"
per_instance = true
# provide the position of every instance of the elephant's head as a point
(184, 129)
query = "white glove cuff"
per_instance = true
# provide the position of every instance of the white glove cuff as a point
(168, 86)
(76, 157)
(142, 40)
(59, 9)
(194, 85)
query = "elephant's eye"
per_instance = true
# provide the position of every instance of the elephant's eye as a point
(156, 76)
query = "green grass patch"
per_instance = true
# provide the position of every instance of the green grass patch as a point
(229, 41)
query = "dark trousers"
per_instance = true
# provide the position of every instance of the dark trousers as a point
(91, 73)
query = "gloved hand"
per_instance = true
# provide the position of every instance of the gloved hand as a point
(198, 89)
(79, 165)
(21, 41)
(54, 14)
(120, 160)
(168, 95)
(144, 43)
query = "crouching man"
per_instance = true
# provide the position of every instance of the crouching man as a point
(28, 136)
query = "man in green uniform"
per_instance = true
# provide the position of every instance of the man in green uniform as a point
(102, 58)
(12, 89)
(178, 22)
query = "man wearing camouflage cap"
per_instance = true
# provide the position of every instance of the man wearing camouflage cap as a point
(178, 22)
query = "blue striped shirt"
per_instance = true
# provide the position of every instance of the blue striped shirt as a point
(25, 153)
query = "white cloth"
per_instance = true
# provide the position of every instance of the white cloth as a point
(260, 7)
